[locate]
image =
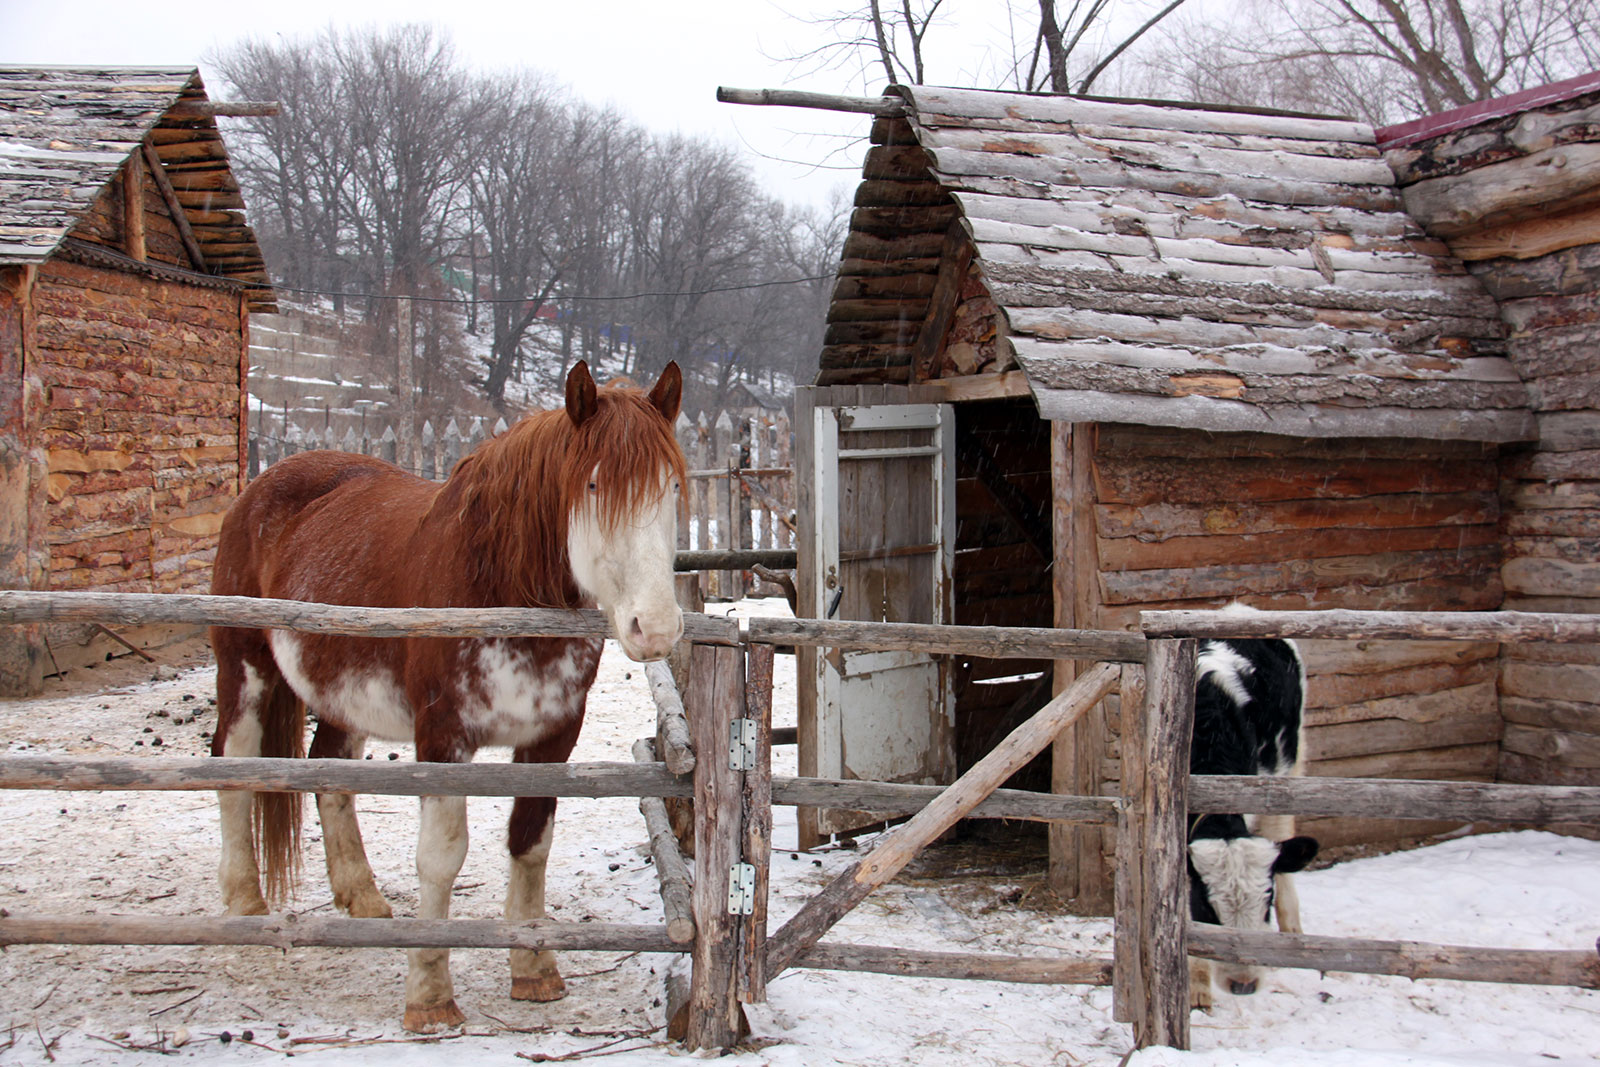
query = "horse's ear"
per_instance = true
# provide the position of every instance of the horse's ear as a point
(667, 393)
(581, 402)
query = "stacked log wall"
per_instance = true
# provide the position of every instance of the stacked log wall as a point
(1518, 196)
(140, 425)
(1188, 519)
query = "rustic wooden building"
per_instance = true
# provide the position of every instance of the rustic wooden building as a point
(1086, 358)
(127, 273)
(1513, 186)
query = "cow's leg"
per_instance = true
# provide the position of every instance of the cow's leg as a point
(1286, 900)
(534, 975)
(242, 688)
(349, 873)
(441, 849)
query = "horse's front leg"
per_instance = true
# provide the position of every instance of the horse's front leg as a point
(441, 849)
(349, 874)
(534, 975)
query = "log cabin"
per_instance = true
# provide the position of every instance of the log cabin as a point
(1089, 357)
(127, 276)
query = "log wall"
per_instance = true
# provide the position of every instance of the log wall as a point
(1197, 519)
(140, 425)
(1518, 196)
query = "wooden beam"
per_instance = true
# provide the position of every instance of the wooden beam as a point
(1002, 386)
(671, 871)
(955, 259)
(180, 216)
(888, 106)
(672, 726)
(1408, 959)
(1531, 238)
(899, 846)
(989, 642)
(286, 931)
(133, 208)
(185, 109)
(912, 963)
(1541, 805)
(1164, 913)
(1548, 627)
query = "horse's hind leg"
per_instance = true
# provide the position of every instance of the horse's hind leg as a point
(533, 974)
(349, 873)
(243, 684)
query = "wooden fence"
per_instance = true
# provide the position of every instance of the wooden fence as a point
(721, 919)
(741, 484)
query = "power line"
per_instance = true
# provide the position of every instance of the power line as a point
(524, 299)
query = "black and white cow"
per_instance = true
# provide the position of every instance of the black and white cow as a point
(1248, 700)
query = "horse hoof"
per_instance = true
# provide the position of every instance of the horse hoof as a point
(431, 1020)
(541, 987)
(367, 906)
(249, 907)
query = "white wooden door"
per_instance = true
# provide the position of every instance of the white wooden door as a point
(884, 550)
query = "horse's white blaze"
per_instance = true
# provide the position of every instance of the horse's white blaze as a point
(627, 570)
(507, 700)
(372, 703)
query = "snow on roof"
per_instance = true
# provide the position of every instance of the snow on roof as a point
(66, 132)
(1173, 265)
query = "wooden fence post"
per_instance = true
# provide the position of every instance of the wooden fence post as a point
(1164, 910)
(703, 496)
(757, 836)
(717, 696)
(1128, 890)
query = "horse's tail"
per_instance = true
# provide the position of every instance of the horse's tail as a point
(278, 815)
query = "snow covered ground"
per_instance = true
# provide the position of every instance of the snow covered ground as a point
(154, 854)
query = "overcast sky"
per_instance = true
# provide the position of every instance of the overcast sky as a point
(659, 61)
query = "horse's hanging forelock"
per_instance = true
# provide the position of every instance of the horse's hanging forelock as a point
(516, 491)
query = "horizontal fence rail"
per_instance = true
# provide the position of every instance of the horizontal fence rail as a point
(298, 931)
(1393, 798)
(1406, 959)
(990, 642)
(398, 778)
(136, 609)
(1405, 625)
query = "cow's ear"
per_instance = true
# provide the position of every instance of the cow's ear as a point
(1294, 854)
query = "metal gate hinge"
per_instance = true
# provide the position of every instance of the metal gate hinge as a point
(742, 745)
(742, 889)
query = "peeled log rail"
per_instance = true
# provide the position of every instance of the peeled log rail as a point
(286, 931)
(138, 609)
(734, 559)
(1093, 970)
(1395, 799)
(1406, 625)
(671, 871)
(990, 642)
(672, 727)
(397, 778)
(869, 105)
(1407, 959)
(900, 845)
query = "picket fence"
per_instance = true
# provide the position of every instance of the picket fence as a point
(741, 484)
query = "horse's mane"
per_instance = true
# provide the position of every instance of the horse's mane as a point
(513, 495)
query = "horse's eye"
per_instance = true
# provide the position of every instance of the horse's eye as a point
(594, 487)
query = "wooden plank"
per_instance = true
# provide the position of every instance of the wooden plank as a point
(1146, 482)
(898, 847)
(1408, 959)
(954, 262)
(1531, 238)
(672, 873)
(1164, 908)
(716, 699)
(133, 208)
(1156, 523)
(756, 803)
(302, 931)
(180, 216)
(1461, 761)
(1128, 988)
(1580, 751)
(1570, 715)
(1405, 694)
(1132, 554)
(1527, 186)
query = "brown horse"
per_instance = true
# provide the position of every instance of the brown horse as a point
(569, 508)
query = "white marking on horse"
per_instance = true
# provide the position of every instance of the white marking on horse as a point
(371, 703)
(627, 569)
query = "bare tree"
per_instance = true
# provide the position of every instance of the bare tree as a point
(1382, 60)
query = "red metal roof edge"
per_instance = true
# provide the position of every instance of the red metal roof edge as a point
(1429, 126)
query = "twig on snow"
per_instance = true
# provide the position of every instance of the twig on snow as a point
(177, 1004)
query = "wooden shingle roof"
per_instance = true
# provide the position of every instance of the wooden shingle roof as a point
(65, 133)
(1173, 265)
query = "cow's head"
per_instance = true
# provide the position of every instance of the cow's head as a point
(1231, 884)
